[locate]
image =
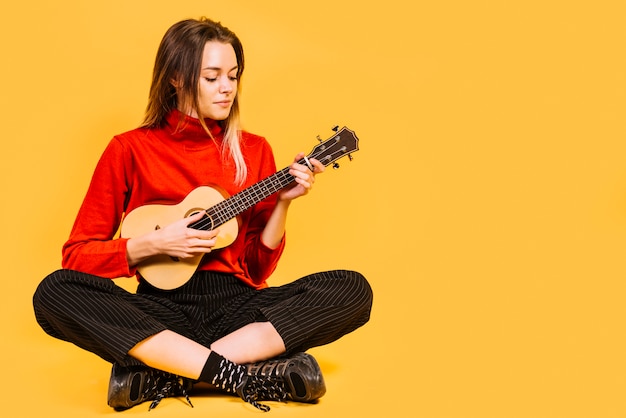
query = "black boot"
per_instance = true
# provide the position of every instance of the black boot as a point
(297, 378)
(130, 386)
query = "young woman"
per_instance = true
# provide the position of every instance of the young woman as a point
(225, 325)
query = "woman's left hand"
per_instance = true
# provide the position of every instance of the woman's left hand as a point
(304, 177)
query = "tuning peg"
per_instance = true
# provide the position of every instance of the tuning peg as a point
(350, 157)
(319, 138)
(336, 128)
(335, 166)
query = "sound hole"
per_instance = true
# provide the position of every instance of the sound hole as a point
(206, 223)
(193, 211)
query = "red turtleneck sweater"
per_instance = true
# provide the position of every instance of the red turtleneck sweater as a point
(148, 166)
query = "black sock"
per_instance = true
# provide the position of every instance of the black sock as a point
(222, 373)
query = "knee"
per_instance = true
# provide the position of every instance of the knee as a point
(363, 294)
(47, 287)
(55, 287)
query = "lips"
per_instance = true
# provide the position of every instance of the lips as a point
(225, 103)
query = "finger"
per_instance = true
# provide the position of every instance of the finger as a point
(302, 174)
(195, 217)
(299, 167)
(203, 245)
(211, 234)
(308, 163)
(313, 166)
(204, 235)
(199, 245)
(307, 182)
(319, 167)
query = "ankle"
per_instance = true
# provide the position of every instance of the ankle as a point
(222, 373)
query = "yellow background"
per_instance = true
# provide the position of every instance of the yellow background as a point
(486, 205)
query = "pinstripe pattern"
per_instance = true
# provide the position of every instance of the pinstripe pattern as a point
(101, 317)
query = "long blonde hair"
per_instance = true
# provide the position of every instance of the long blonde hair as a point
(179, 57)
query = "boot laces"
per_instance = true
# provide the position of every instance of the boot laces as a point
(166, 385)
(263, 389)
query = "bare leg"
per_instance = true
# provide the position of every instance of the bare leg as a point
(176, 354)
(253, 342)
(173, 353)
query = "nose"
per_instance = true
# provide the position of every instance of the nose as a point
(226, 86)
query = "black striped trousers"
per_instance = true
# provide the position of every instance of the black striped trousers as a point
(99, 316)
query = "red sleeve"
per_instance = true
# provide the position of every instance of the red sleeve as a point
(91, 247)
(258, 260)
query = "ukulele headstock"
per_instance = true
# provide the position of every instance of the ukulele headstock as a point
(343, 142)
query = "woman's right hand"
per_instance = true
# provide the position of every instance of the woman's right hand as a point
(175, 240)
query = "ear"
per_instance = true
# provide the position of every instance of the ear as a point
(176, 83)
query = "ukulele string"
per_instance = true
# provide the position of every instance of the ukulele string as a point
(219, 213)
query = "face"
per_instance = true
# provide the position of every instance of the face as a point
(218, 81)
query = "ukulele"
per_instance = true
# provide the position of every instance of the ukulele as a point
(220, 210)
